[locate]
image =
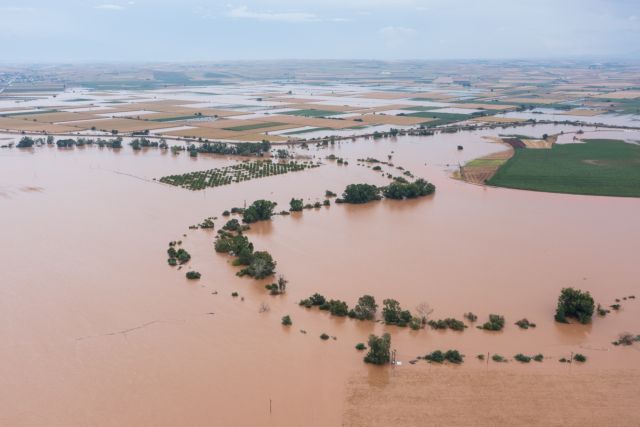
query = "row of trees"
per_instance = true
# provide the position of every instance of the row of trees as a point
(28, 142)
(399, 189)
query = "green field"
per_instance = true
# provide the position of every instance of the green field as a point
(485, 162)
(603, 167)
(176, 118)
(254, 126)
(420, 108)
(297, 132)
(441, 118)
(312, 113)
(28, 113)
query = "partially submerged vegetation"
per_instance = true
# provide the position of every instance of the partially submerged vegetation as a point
(451, 356)
(574, 303)
(177, 256)
(243, 171)
(495, 323)
(257, 264)
(379, 350)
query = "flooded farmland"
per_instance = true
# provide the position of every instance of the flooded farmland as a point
(97, 329)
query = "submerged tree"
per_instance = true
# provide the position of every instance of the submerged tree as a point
(379, 350)
(574, 303)
(260, 210)
(393, 313)
(365, 309)
(262, 265)
(360, 193)
(296, 205)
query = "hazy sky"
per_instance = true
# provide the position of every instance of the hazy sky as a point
(185, 30)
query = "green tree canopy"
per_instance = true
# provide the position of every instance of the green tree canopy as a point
(379, 350)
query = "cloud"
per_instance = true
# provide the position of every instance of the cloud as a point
(109, 7)
(244, 13)
(397, 36)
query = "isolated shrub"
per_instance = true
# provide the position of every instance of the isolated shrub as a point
(260, 210)
(193, 275)
(538, 357)
(498, 358)
(470, 317)
(286, 320)
(576, 304)
(495, 323)
(361, 346)
(525, 324)
(296, 205)
(522, 358)
(324, 337)
(172, 262)
(234, 294)
(379, 350)
(579, 357)
(626, 339)
(601, 311)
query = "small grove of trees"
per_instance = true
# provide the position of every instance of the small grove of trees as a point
(278, 288)
(283, 154)
(360, 193)
(379, 350)
(393, 314)
(400, 190)
(495, 323)
(25, 142)
(260, 210)
(296, 205)
(365, 309)
(451, 356)
(259, 264)
(576, 304)
(315, 299)
(177, 256)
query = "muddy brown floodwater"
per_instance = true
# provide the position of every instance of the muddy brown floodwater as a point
(96, 329)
